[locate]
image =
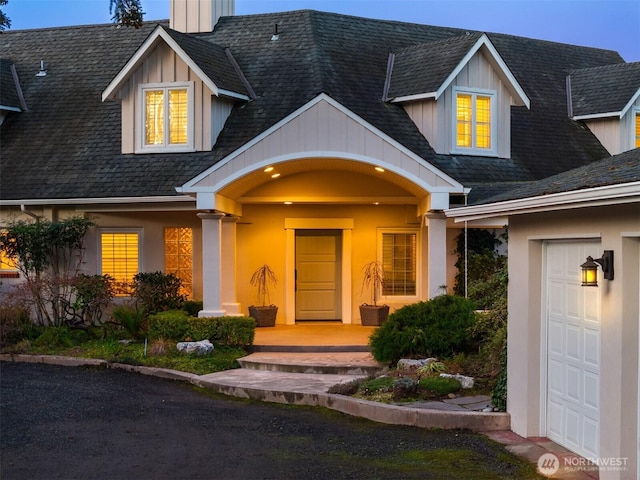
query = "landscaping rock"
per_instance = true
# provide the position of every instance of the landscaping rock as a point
(203, 347)
(409, 364)
(465, 382)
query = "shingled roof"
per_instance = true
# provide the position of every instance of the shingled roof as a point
(68, 144)
(616, 170)
(423, 68)
(602, 90)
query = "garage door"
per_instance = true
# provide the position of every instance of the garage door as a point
(573, 350)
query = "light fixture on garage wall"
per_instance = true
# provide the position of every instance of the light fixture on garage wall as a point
(590, 269)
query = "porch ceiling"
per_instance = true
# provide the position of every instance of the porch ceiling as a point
(323, 180)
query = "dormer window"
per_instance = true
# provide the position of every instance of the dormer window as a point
(166, 123)
(475, 122)
(636, 116)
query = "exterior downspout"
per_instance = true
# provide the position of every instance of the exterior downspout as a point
(24, 210)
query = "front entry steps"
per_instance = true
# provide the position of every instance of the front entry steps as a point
(336, 363)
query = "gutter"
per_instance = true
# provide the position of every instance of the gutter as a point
(607, 195)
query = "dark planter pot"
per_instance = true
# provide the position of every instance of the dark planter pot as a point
(373, 315)
(264, 316)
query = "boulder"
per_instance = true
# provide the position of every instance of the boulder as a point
(203, 347)
(409, 364)
(465, 382)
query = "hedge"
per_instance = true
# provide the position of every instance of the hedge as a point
(179, 326)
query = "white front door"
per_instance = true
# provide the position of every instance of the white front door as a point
(573, 350)
(318, 274)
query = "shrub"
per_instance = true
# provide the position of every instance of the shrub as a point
(437, 328)
(92, 294)
(157, 291)
(499, 392)
(131, 319)
(440, 385)
(404, 387)
(177, 325)
(192, 307)
(15, 324)
(172, 324)
(61, 337)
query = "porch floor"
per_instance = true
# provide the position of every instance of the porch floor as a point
(313, 337)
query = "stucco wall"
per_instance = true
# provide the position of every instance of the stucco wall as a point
(615, 228)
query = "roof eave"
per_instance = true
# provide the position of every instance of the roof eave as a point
(98, 200)
(590, 197)
(415, 98)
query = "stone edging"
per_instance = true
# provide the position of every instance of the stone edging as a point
(379, 412)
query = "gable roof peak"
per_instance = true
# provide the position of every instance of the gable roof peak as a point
(426, 70)
(212, 63)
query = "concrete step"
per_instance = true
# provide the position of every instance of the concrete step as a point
(334, 363)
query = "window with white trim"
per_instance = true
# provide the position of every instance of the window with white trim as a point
(400, 262)
(8, 266)
(474, 123)
(636, 130)
(120, 258)
(166, 122)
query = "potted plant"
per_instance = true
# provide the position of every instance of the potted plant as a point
(373, 279)
(264, 315)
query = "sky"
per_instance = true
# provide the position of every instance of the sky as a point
(608, 24)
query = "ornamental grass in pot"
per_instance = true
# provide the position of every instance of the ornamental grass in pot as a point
(373, 280)
(262, 279)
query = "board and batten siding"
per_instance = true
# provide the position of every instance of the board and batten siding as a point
(321, 129)
(435, 119)
(163, 65)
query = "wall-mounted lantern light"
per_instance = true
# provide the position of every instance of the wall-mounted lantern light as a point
(590, 269)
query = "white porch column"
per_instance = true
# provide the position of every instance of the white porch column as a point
(228, 267)
(211, 264)
(436, 251)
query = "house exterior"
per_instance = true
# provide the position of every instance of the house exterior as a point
(313, 142)
(573, 351)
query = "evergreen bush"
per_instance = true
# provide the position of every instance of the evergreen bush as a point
(178, 326)
(436, 328)
(157, 291)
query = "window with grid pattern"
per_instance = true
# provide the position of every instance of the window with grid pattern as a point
(8, 266)
(637, 133)
(166, 123)
(178, 256)
(399, 252)
(120, 257)
(474, 121)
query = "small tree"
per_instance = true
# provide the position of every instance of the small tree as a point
(49, 256)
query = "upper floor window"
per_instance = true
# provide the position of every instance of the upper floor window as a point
(636, 143)
(166, 117)
(475, 122)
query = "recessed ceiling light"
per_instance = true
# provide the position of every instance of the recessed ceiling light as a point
(380, 169)
(268, 169)
(275, 175)
(288, 203)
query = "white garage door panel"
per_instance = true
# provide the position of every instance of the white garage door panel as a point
(573, 350)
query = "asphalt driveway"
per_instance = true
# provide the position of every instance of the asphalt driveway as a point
(88, 423)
